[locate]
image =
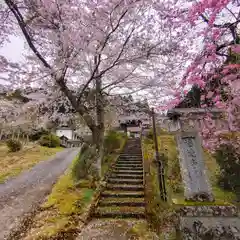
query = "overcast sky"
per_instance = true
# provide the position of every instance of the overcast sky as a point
(14, 49)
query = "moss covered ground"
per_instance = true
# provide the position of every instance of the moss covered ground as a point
(61, 213)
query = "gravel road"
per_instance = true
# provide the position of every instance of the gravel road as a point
(22, 194)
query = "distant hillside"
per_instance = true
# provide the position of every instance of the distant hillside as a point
(43, 108)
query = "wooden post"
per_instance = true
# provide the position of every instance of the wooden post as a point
(1, 134)
(18, 135)
(13, 132)
(162, 187)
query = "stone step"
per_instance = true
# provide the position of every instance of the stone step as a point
(119, 212)
(132, 155)
(129, 161)
(134, 172)
(116, 180)
(126, 187)
(122, 200)
(132, 152)
(128, 168)
(129, 165)
(126, 176)
(120, 194)
(121, 204)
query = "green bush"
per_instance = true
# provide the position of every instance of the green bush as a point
(112, 142)
(150, 135)
(37, 134)
(50, 141)
(14, 145)
(83, 167)
(148, 141)
(228, 159)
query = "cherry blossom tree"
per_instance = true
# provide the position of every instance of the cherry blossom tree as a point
(215, 69)
(130, 45)
(104, 44)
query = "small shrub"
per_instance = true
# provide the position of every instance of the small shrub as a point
(50, 141)
(84, 167)
(148, 141)
(14, 145)
(112, 142)
(37, 134)
(228, 159)
(150, 135)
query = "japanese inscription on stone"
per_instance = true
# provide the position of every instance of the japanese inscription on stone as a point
(193, 164)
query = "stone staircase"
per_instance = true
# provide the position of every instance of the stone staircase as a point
(123, 196)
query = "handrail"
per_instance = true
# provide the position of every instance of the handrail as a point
(161, 178)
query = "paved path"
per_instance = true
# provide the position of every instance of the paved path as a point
(22, 194)
(115, 229)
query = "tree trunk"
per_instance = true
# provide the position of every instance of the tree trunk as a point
(13, 134)
(18, 135)
(99, 131)
(1, 134)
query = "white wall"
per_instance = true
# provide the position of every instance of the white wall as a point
(144, 118)
(133, 129)
(65, 132)
(84, 131)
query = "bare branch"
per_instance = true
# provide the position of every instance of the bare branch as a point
(99, 56)
(232, 13)
(225, 25)
(14, 9)
(81, 109)
(119, 81)
(224, 45)
(113, 30)
(90, 79)
(110, 16)
(119, 55)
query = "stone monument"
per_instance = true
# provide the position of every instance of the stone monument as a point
(185, 124)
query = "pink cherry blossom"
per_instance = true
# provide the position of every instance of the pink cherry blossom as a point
(236, 48)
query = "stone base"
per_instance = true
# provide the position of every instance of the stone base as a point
(209, 223)
(210, 228)
(201, 197)
(208, 211)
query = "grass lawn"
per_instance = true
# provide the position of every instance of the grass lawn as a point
(160, 213)
(13, 163)
(62, 210)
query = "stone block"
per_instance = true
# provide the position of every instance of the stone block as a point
(194, 175)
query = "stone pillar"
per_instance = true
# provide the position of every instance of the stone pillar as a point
(196, 183)
(193, 171)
